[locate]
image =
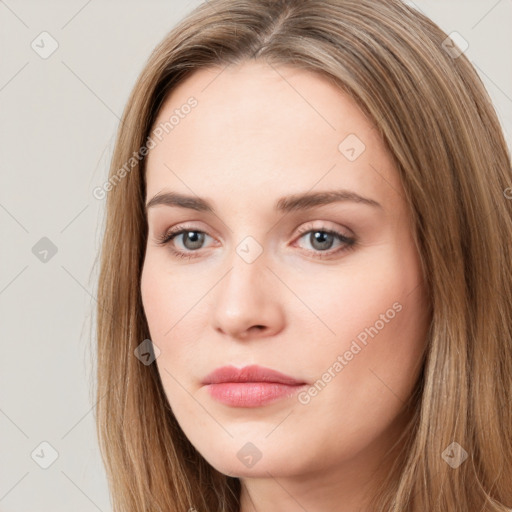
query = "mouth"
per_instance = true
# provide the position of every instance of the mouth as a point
(250, 386)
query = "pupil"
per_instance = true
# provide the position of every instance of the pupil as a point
(321, 237)
(196, 239)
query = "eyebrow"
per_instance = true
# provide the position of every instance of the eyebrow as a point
(290, 203)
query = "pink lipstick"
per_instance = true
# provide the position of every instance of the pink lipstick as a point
(250, 386)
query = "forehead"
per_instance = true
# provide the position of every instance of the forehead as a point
(257, 128)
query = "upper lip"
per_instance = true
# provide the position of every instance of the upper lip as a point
(252, 373)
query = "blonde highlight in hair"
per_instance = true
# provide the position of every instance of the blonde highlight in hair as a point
(438, 123)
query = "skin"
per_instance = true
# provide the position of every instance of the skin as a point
(259, 133)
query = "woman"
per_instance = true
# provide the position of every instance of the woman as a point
(305, 291)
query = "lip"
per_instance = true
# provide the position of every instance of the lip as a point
(250, 386)
(252, 373)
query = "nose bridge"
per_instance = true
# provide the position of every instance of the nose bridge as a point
(246, 281)
(246, 297)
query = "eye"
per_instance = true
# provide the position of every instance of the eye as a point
(322, 239)
(192, 240)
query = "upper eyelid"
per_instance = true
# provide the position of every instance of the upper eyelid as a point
(304, 227)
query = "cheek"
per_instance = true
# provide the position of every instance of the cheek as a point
(379, 293)
(363, 375)
(158, 294)
(176, 317)
(153, 297)
(396, 344)
(377, 321)
(166, 295)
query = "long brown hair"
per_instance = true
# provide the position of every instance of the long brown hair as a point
(439, 125)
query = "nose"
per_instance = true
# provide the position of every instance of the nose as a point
(247, 304)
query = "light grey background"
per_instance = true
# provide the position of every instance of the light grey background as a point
(58, 118)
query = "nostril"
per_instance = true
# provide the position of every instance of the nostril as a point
(258, 327)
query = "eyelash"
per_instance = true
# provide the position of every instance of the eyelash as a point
(169, 235)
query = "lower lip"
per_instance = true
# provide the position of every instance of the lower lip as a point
(251, 394)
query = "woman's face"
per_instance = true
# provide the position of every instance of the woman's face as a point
(284, 266)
